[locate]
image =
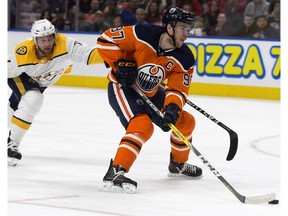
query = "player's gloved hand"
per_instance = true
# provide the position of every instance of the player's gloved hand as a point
(171, 114)
(126, 72)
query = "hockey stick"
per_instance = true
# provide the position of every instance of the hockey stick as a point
(233, 135)
(244, 199)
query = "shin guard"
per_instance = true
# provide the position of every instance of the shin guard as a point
(139, 130)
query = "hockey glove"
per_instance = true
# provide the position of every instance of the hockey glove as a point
(171, 114)
(126, 72)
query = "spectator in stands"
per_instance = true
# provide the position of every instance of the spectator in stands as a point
(122, 5)
(87, 17)
(46, 14)
(99, 25)
(194, 7)
(222, 28)
(220, 3)
(161, 4)
(30, 6)
(84, 6)
(110, 11)
(187, 7)
(211, 12)
(117, 22)
(176, 3)
(52, 4)
(71, 18)
(234, 10)
(140, 16)
(248, 28)
(153, 14)
(58, 20)
(128, 14)
(198, 29)
(12, 14)
(94, 6)
(274, 16)
(257, 8)
(264, 30)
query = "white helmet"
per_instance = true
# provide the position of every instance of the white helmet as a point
(42, 28)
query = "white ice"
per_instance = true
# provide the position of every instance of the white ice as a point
(68, 148)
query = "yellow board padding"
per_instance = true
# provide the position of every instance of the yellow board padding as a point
(207, 89)
(83, 81)
(255, 92)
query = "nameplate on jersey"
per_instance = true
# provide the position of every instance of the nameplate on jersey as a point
(150, 76)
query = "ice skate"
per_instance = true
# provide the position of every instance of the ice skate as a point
(115, 181)
(177, 169)
(13, 153)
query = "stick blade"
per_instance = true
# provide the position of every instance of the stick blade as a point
(260, 199)
(233, 145)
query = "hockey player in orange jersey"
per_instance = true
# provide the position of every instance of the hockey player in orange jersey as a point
(146, 55)
(36, 64)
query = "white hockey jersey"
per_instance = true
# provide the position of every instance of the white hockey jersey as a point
(48, 70)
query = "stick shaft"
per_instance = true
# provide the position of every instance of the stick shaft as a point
(232, 134)
(241, 198)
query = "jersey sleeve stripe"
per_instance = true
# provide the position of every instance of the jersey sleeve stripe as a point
(107, 38)
(104, 41)
(108, 47)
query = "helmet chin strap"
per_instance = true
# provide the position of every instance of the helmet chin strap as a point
(172, 36)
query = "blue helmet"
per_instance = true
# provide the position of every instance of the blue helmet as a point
(174, 15)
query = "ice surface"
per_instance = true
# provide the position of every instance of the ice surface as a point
(68, 148)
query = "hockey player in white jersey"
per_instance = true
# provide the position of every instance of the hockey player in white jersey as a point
(34, 65)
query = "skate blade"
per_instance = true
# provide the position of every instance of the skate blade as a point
(108, 186)
(182, 176)
(12, 161)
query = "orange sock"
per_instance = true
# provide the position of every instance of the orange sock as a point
(139, 130)
(185, 124)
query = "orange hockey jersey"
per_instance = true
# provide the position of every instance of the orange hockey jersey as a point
(141, 43)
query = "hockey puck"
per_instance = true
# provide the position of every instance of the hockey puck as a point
(274, 202)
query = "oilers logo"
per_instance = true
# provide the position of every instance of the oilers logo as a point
(150, 76)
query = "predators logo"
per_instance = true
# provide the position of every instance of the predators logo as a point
(21, 50)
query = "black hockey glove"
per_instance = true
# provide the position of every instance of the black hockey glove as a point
(171, 114)
(126, 72)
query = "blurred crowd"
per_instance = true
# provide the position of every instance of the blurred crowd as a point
(237, 18)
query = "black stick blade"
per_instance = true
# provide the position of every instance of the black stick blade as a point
(233, 145)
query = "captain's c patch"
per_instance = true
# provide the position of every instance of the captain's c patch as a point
(21, 50)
